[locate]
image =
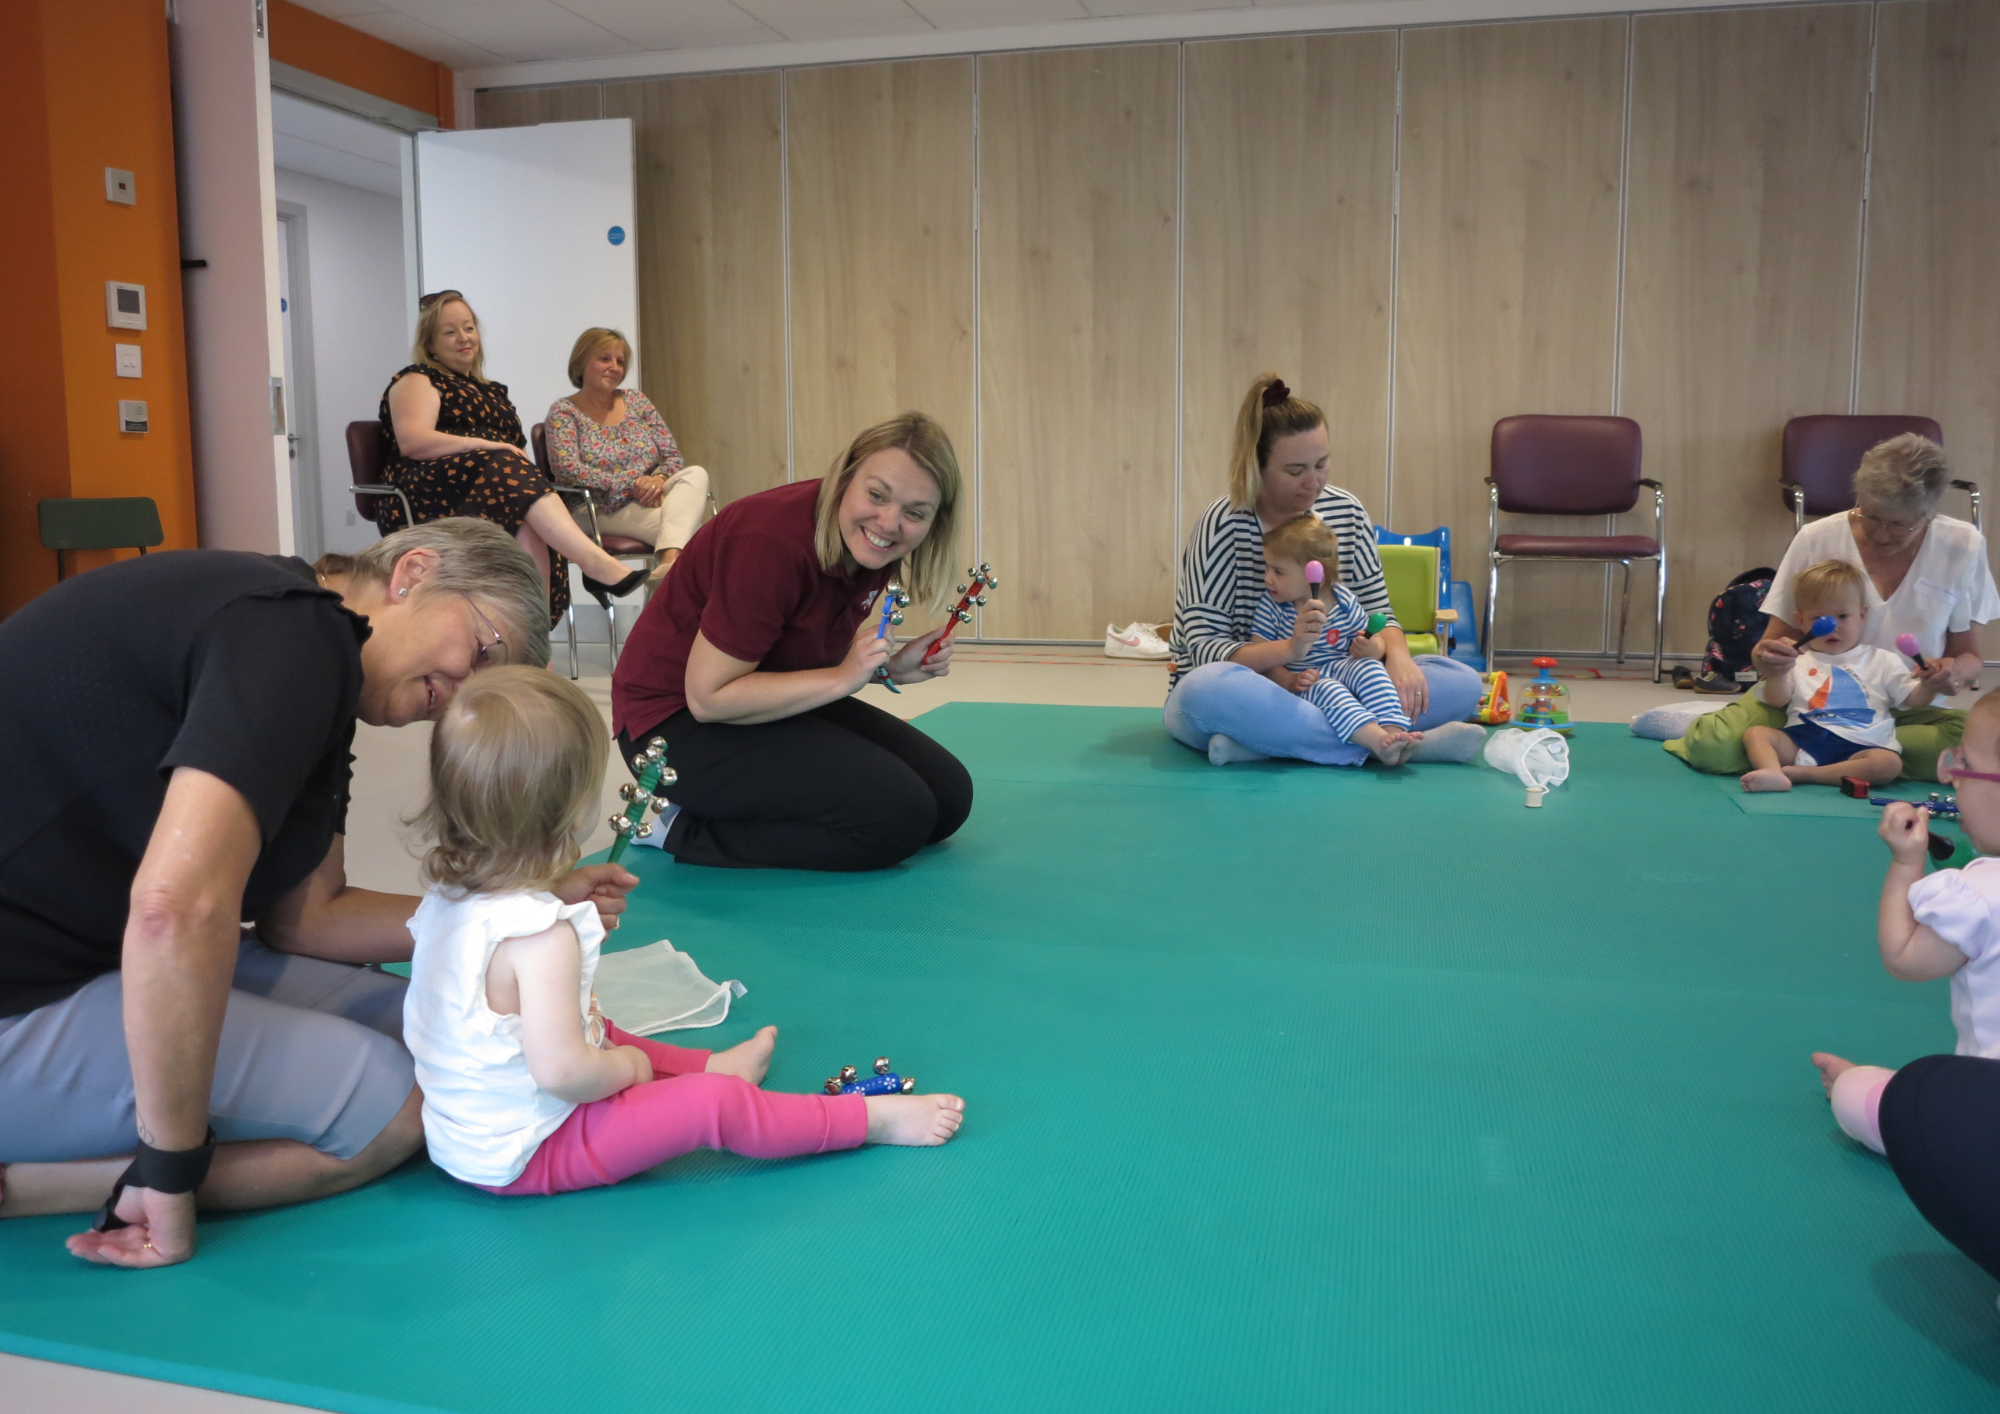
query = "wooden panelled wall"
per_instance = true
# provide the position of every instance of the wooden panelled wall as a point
(1077, 259)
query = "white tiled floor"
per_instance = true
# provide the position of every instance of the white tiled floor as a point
(389, 785)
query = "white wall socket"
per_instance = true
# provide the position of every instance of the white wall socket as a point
(118, 187)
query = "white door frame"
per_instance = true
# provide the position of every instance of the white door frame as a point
(308, 525)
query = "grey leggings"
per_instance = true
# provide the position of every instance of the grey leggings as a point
(310, 1050)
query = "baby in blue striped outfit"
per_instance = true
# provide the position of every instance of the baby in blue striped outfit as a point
(1335, 664)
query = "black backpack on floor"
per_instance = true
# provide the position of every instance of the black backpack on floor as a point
(1735, 622)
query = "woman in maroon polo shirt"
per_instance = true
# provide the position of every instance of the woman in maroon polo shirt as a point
(748, 659)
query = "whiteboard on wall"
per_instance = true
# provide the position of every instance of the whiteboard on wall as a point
(534, 225)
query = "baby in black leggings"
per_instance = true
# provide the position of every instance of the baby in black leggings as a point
(1946, 924)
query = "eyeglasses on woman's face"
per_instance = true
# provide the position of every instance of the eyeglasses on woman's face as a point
(492, 647)
(1901, 529)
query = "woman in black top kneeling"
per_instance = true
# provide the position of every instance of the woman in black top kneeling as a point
(178, 730)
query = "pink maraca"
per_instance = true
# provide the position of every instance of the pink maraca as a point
(1315, 576)
(1906, 644)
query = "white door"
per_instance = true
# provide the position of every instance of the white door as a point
(534, 225)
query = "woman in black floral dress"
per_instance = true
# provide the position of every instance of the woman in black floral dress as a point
(455, 449)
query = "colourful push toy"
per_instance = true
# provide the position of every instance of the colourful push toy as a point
(643, 794)
(883, 1082)
(1493, 708)
(1545, 703)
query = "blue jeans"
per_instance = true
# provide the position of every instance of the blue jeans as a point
(1230, 699)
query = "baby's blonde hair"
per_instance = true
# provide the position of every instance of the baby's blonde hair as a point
(1305, 537)
(1817, 584)
(517, 765)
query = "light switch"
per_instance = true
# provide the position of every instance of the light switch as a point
(128, 360)
(118, 187)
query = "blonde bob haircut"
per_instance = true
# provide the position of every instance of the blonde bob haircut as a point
(1305, 537)
(428, 318)
(587, 345)
(1906, 474)
(479, 560)
(1269, 412)
(925, 573)
(517, 766)
(1818, 585)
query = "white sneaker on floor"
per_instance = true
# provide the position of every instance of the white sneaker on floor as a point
(1135, 640)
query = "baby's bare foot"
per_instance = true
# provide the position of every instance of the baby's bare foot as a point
(750, 1060)
(1393, 748)
(1772, 778)
(913, 1119)
(1830, 1068)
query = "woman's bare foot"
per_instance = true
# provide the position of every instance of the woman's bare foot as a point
(913, 1119)
(1831, 1068)
(1771, 778)
(749, 1061)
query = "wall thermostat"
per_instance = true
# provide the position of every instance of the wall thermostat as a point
(124, 305)
(118, 187)
(131, 415)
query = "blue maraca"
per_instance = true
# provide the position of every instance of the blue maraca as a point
(1821, 627)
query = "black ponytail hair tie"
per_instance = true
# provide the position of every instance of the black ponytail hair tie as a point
(1276, 393)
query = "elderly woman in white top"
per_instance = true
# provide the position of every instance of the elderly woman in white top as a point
(614, 441)
(1927, 576)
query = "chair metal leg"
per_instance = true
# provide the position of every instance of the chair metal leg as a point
(570, 617)
(1660, 613)
(1492, 598)
(611, 629)
(1624, 611)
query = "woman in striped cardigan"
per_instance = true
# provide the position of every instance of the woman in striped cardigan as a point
(1222, 705)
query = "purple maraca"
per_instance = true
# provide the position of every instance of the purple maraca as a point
(1906, 644)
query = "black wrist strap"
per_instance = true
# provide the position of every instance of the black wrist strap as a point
(163, 1171)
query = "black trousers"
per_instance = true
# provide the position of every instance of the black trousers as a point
(842, 787)
(1941, 1127)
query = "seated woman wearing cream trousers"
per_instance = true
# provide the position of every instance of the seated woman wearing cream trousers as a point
(614, 441)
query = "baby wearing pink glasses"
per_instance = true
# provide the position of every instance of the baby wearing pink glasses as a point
(1945, 924)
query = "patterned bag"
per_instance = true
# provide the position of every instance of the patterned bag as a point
(1735, 622)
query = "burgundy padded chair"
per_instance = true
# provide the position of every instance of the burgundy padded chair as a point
(1823, 451)
(366, 451)
(623, 546)
(1574, 466)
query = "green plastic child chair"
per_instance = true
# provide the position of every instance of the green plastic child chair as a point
(1411, 574)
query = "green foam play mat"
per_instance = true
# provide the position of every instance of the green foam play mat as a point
(1289, 1088)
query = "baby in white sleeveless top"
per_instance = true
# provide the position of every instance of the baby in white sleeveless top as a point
(527, 1087)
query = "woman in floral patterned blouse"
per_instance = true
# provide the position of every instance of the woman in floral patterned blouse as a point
(613, 440)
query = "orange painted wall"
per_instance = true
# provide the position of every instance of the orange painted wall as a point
(60, 240)
(331, 50)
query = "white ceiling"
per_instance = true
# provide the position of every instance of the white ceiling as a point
(323, 143)
(480, 34)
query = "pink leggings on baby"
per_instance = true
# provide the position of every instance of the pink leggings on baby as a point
(683, 1109)
(1857, 1103)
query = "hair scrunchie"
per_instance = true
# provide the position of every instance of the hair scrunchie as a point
(1276, 393)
